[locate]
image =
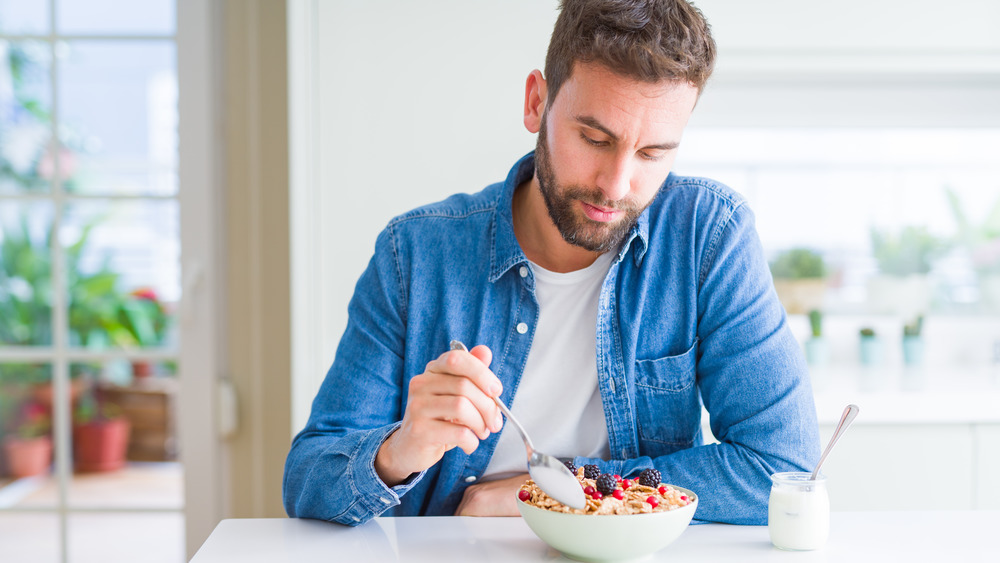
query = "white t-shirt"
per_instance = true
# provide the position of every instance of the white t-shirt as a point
(558, 401)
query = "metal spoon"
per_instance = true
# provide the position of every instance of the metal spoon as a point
(845, 420)
(550, 474)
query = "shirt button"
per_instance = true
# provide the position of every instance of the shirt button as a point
(523, 271)
(522, 328)
(470, 478)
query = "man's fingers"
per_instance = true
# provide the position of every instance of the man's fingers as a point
(464, 364)
(446, 435)
(455, 409)
(484, 354)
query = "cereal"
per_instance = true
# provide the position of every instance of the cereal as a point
(635, 498)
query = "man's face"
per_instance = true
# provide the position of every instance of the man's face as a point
(604, 148)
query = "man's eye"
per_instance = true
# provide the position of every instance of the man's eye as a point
(593, 142)
(650, 156)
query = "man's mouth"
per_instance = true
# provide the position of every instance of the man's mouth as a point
(600, 214)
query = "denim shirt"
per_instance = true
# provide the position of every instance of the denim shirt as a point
(688, 316)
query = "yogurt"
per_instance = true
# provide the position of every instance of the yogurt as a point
(798, 511)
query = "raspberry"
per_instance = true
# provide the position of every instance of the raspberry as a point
(618, 494)
(591, 471)
(524, 495)
(649, 478)
(606, 484)
(571, 466)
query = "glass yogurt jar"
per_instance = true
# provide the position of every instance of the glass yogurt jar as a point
(798, 511)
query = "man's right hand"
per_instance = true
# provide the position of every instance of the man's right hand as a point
(450, 404)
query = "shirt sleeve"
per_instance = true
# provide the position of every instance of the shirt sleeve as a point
(753, 382)
(330, 472)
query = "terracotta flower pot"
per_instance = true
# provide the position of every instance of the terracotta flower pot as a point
(142, 369)
(27, 457)
(100, 445)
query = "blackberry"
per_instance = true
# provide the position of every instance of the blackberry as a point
(591, 471)
(649, 478)
(571, 466)
(606, 484)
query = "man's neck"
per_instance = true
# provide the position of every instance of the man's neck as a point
(538, 235)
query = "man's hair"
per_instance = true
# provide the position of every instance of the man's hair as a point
(647, 40)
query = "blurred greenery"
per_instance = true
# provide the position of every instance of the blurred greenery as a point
(816, 323)
(101, 314)
(914, 327)
(981, 240)
(910, 251)
(798, 263)
(25, 119)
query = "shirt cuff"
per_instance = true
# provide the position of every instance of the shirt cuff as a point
(372, 491)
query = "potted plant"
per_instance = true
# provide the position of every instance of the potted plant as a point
(28, 451)
(799, 279)
(145, 318)
(913, 342)
(870, 348)
(100, 433)
(904, 260)
(817, 350)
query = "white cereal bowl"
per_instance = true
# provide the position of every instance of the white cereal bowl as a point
(609, 538)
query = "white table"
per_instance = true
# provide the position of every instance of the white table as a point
(854, 536)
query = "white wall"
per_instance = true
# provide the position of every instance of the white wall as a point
(400, 104)
(397, 103)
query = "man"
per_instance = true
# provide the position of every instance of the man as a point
(608, 301)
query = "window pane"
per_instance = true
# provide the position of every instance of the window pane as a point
(123, 268)
(25, 126)
(26, 443)
(118, 102)
(107, 17)
(25, 274)
(29, 537)
(18, 16)
(150, 538)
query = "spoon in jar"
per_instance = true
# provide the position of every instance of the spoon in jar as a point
(550, 474)
(845, 420)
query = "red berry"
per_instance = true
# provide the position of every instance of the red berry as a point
(597, 495)
(589, 490)
(523, 495)
(626, 484)
(684, 497)
(652, 502)
(618, 494)
(618, 477)
(663, 490)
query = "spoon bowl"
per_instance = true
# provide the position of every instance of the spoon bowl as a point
(550, 474)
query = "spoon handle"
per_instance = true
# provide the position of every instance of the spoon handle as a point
(457, 345)
(850, 413)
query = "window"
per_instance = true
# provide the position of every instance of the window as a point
(89, 279)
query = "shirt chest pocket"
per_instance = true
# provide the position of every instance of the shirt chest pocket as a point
(667, 407)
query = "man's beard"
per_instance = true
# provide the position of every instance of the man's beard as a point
(575, 228)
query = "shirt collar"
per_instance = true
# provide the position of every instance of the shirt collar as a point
(507, 252)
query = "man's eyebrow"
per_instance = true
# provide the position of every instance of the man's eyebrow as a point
(595, 124)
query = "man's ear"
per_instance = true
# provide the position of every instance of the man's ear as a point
(534, 101)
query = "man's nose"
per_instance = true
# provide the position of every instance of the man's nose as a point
(615, 177)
